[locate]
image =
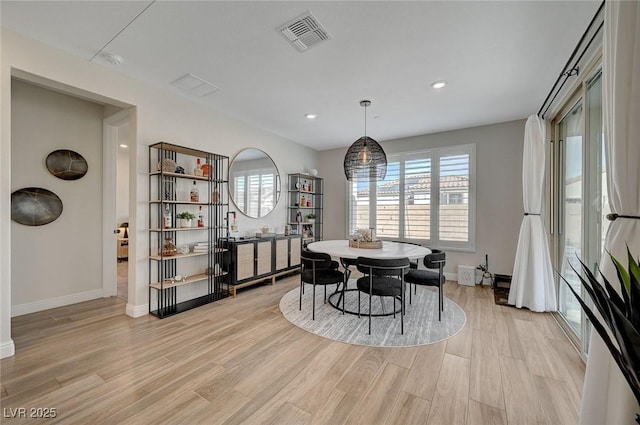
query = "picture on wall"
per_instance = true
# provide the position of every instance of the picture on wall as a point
(35, 206)
(66, 164)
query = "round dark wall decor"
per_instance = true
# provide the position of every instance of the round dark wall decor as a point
(66, 164)
(34, 206)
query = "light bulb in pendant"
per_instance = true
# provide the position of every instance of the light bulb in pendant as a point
(364, 156)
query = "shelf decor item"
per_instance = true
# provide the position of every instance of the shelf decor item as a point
(185, 219)
(194, 194)
(365, 158)
(66, 164)
(167, 164)
(168, 248)
(207, 169)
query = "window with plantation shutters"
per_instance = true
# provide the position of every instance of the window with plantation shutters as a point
(253, 191)
(417, 197)
(388, 203)
(239, 191)
(426, 197)
(453, 212)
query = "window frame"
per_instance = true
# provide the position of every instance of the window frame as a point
(435, 155)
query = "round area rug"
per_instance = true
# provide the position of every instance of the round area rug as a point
(421, 325)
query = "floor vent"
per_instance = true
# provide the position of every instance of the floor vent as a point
(304, 32)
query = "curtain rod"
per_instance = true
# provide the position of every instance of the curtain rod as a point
(568, 72)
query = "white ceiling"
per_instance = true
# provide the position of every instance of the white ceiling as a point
(499, 58)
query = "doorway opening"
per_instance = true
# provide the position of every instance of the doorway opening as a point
(117, 143)
(122, 211)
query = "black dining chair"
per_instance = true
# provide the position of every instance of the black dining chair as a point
(434, 261)
(347, 263)
(319, 269)
(412, 264)
(384, 278)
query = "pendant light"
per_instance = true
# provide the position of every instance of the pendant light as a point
(365, 159)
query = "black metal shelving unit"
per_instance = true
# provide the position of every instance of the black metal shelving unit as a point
(308, 190)
(169, 189)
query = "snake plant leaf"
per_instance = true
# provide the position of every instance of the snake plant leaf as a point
(629, 343)
(634, 267)
(623, 274)
(598, 296)
(614, 296)
(621, 302)
(634, 295)
(604, 334)
(618, 323)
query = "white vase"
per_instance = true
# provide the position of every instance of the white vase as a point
(184, 223)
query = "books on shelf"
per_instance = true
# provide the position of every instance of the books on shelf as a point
(203, 247)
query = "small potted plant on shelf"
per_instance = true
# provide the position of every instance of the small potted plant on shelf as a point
(311, 218)
(185, 219)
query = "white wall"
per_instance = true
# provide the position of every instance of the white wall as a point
(159, 115)
(499, 189)
(64, 257)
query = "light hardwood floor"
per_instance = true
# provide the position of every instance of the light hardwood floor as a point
(238, 361)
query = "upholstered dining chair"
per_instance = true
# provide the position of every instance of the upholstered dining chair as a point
(434, 261)
(319, 269)
(347, 263)
(412, 264)
(384, 278)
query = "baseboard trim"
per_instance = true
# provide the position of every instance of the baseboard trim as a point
(21, 309)
(451, 276)
(7, 349)
(137, 310)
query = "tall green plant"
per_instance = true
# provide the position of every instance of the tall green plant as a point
(619, 316)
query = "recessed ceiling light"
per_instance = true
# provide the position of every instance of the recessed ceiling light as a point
(124, 146)
(438, 84)
(311, 116)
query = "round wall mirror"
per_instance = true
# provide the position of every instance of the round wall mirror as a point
(254, 182)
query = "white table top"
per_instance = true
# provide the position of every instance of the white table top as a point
(341, 249)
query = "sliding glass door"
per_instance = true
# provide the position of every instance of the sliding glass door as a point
(571, 214)
(581, 199)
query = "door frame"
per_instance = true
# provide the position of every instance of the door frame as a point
(579, 94)
(111, 134)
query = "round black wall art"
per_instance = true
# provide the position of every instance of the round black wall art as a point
(66, 164)
(34, 206)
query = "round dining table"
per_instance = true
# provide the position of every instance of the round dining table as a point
(341, 249)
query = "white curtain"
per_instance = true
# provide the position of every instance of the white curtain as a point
(532, 284)
(606, 397)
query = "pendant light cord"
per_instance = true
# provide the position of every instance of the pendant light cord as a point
(366, 103)
(365, 124)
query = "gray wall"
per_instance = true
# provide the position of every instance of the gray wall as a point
(499, 189)
(64, 257)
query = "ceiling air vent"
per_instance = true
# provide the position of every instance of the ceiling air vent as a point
(304, 32)
(195, 85)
